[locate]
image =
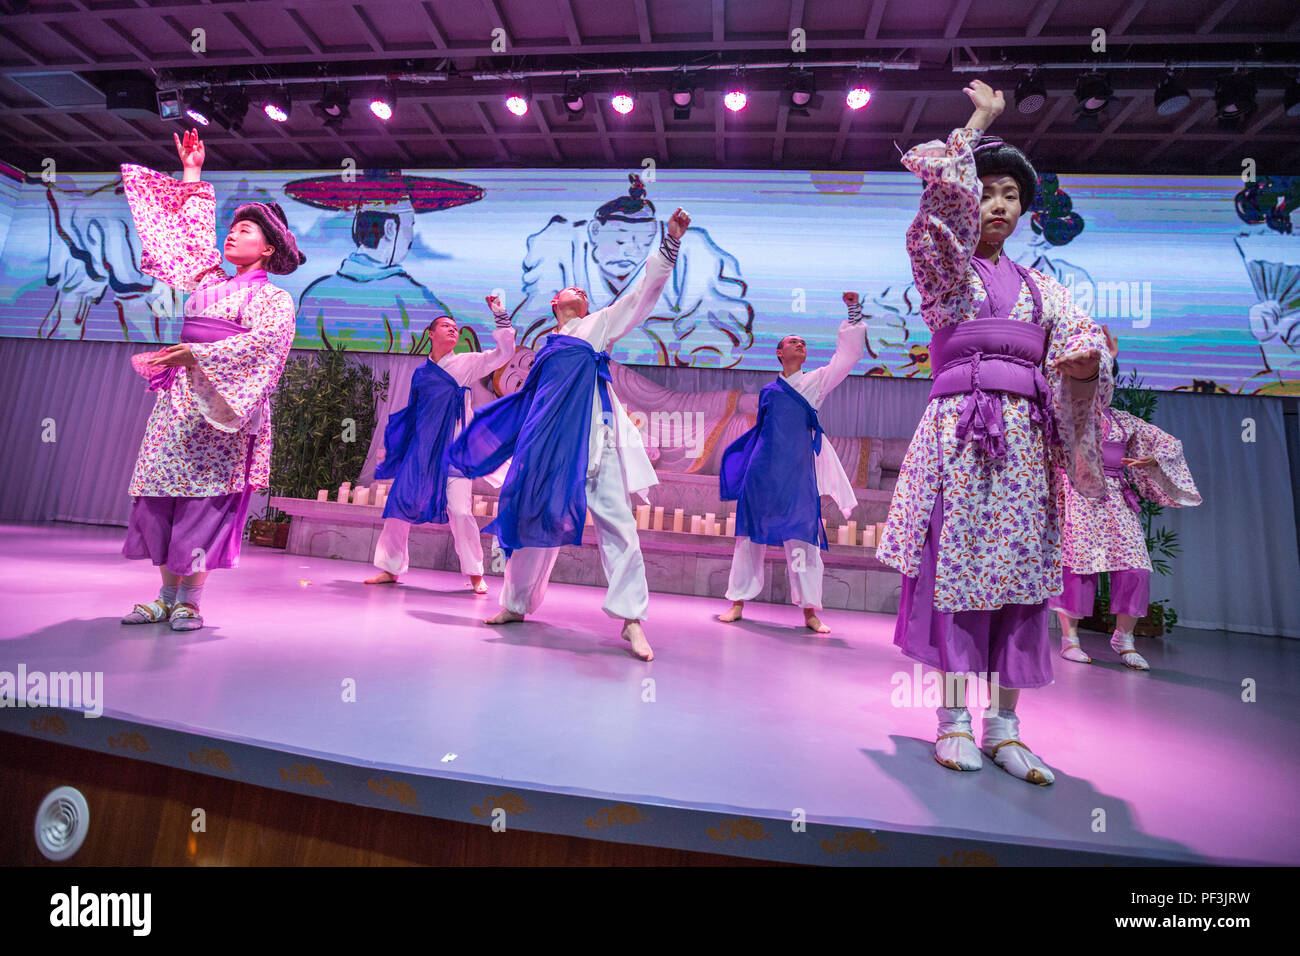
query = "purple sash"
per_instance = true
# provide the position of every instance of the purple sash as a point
(1112, 453)
(196, 328)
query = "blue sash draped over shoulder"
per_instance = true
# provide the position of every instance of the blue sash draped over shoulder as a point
(771, 472)
(544, 427)
(416, 440)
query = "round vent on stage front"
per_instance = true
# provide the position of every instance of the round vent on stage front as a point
(62, 823)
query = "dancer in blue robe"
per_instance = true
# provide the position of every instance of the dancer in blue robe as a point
(778, 470)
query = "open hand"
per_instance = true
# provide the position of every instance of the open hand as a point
(1079, 365)
(1138, 462)
(678, 223)
(191, 151)
(174, 355)
(986, 98)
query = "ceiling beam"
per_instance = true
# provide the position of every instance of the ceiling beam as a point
(605, 145)
(1048, 118)
(1216, 15)
(372, 35)
(719, 21)
(1180, 130)
(441, 135)
(1042, 13)
(657, 114)
(841, 137)
(435, 31)
(545, 129)
(570, 22)
(796, 15)
(1128, 16)
(874, 14)
(1251, 131)
(778, 146)
(719, 131)
(497, 139)
(643, 22)
(1112, 127)
(956, 18)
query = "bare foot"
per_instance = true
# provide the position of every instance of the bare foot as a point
(732, 615)
(478, 584)
(383, 577)
(636, 637)
(503, 617)
(813, 623)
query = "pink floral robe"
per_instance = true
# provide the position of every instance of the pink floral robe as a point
(1000, 538)
(196, 442)
(1106, 534)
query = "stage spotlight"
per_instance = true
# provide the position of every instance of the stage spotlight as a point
(1234, 98)
(516, 103)
(199, 108)
(1172, 96)
(683, 96)
(384, 101)
(333, 107)
(800, 88)
(574, 99)
(230, 108)
(735, 99)
(1031, 93)
(857, 97)
(278, 105)
(1093, 91)
(623, 103)
(1291, 98)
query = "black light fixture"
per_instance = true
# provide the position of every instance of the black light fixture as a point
(1172, 96)
(1234, 99)
(801, 93)
(200, 108)
(278, 104)
(334, 106)
(1031, 93)
(683, 94)
(1093, 92)
(1291, 97)
(574, 98)
(229, 108)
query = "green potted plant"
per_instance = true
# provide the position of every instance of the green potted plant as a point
(1162, 543)
(325, 411)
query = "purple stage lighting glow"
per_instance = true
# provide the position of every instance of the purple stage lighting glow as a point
(517, 105)
(857, 97)
(735, 100)
(622, 103)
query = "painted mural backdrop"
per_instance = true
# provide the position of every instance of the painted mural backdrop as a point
(1200, 277)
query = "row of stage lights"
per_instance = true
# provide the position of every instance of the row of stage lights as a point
(1234, 98)
(228, 107)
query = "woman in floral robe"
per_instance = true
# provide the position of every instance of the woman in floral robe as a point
(208, 441)
(1018, 385)
(1097, 535)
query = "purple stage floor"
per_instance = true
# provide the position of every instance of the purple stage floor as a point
(747, 721)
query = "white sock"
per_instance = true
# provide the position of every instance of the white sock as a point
(189, 594)
(1122, 644)
(1015, 758)
(956, 753)
(167, 594)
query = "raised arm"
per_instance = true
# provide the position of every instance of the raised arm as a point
(176, 221)
(850, 345)
(630, 310)
(467, 367)
(943, 236)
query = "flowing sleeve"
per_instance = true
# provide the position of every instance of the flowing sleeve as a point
(943, 236)
(397, 435)
(177, 225)
(850, 344)
(235, 376)
(467, 367)
(1078, 407)
(1169, 481)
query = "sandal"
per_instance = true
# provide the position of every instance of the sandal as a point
(185, 617)
(155, 612)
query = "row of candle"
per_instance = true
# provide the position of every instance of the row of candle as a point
(647, 518)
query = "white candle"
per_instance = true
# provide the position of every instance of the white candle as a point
(643, 517)
(731, 525)
(480, 506)
(708, 522)
(493, 510)
(869, 536)
(843, 537)
(678, 516)
(361, 496)
(695, 524)
(323, 495)
(853, 533)
(658, 524)
(880, 532)
(344, 490)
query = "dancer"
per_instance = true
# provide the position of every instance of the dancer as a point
(1106, 535)
(1018, 378)
(574, 449)
(208, 441)
(778, 470)
(416, 440)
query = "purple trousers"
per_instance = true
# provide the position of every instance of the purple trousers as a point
(1130, 593)
(1009, 645)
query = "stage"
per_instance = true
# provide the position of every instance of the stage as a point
(714, 746)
